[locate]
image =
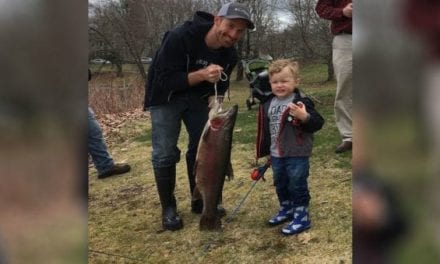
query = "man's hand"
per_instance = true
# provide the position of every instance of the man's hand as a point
(213, 73)
(369, 209)
(348, 10)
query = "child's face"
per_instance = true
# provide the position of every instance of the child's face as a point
(283, 83)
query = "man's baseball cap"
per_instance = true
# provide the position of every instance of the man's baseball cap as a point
(236, 10)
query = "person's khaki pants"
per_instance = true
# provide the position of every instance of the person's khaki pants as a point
(342, 63)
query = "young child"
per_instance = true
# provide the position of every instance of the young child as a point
(286, 123)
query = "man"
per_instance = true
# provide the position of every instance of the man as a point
(340, 14)
(97, 148)
(180, 83)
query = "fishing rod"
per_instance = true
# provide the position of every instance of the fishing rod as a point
(256, 175)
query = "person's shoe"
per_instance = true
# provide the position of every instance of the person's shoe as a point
(171, 220)
(285, 213)
(165, 178)
(118, 168)
(344, 146)
(301, 222)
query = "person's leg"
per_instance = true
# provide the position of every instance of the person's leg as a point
(342, 62)
(298, 172)
(97, 148)
(96, 145)
(280, 183)
(194, 118)
(165, 120)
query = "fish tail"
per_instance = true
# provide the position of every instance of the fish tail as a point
(210, 222)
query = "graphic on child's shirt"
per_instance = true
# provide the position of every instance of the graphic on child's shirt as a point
(275, 113)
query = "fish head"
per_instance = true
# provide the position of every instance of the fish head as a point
(222, 119)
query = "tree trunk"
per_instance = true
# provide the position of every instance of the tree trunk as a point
(240, 71)
(330, 69)
(248, 45)
(141, 70)
(239, 66)
(119, 70)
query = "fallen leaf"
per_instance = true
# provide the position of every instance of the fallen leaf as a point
(304, 238)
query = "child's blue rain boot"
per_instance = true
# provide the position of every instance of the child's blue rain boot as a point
(301, 221)
(285, 213)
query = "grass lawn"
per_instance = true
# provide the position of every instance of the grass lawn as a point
(124, 211)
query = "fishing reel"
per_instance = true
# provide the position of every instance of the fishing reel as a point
(258, 173)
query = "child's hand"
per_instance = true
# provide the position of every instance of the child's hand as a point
(298, 111)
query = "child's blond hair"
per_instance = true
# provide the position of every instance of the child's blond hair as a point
(278, 65)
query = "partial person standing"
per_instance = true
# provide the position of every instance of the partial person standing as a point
(340, 12)
(287, 122)
(97, 149)
(190, 62)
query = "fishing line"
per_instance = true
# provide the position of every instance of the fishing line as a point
(223, 77)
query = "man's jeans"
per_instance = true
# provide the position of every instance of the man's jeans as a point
(166, 124)
(290, 179)
(96, 145)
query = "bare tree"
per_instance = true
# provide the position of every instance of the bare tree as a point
(119, 28)
(101, 42)
(251, 45)
(130, 21)
(313, 31)
(130, 29)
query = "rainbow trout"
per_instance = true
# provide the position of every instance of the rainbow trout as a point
(213, 163)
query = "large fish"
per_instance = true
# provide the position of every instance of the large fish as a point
(213, 163)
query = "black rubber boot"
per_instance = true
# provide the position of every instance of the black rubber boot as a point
(166, 181)
(196, 205)
(190, 161)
